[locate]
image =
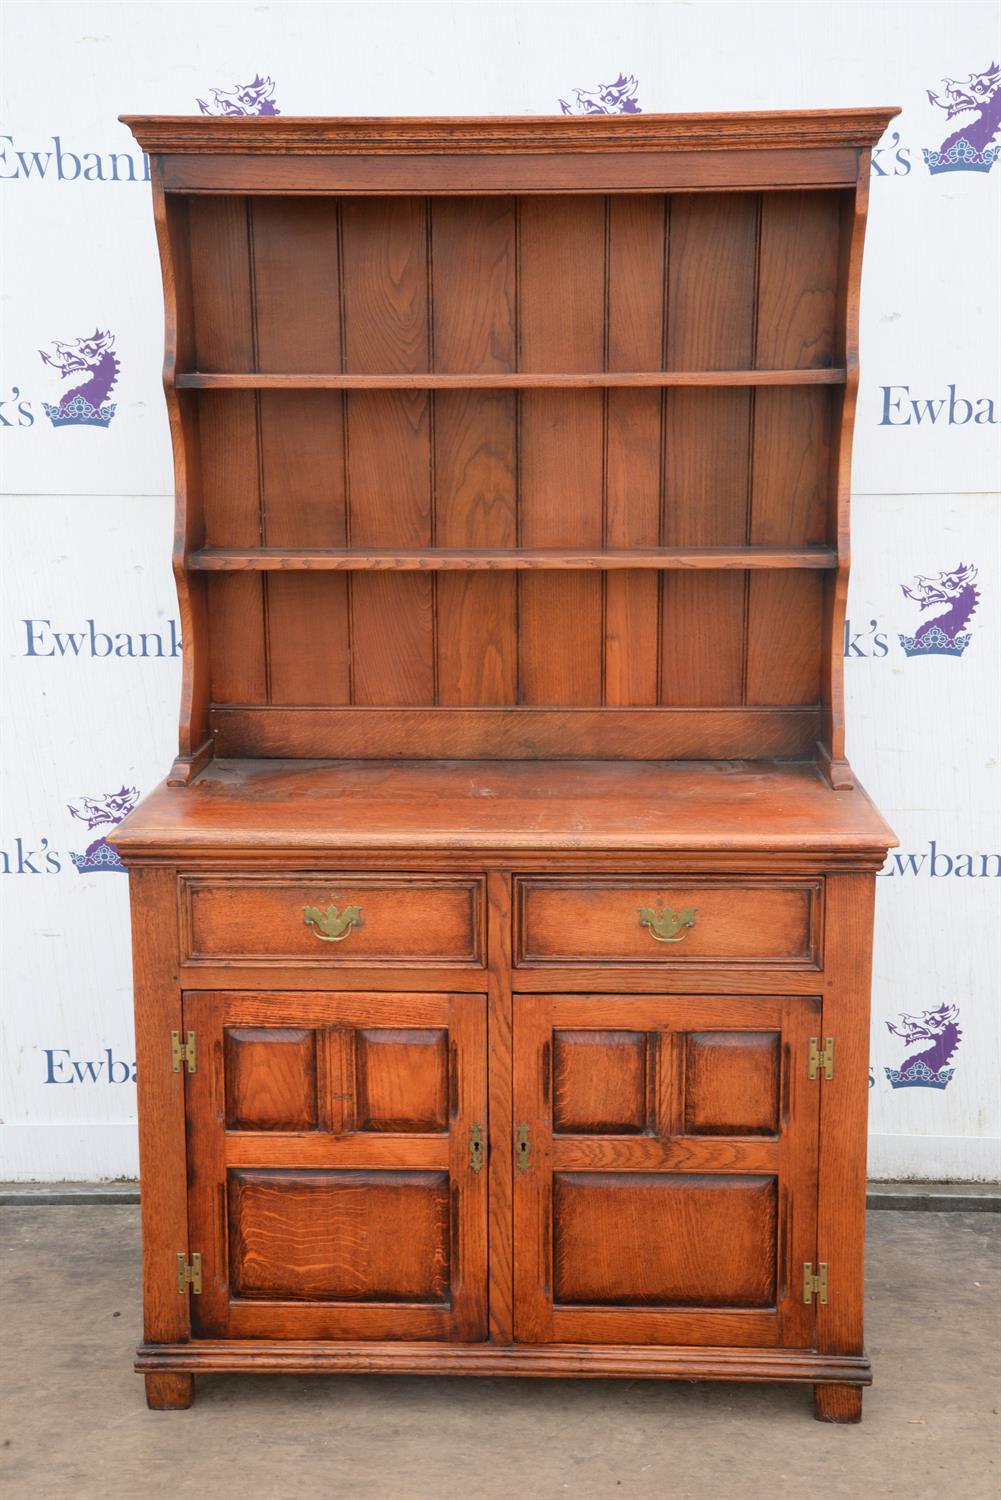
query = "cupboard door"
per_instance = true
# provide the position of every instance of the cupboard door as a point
(665, 1170)
(336, 1184)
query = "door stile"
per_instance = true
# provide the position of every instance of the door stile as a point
(533, 1313)
(161, 1123)
(844, 1109)
(800, 1121)
(467, 1181)
(205, 1114)
(500, 1165)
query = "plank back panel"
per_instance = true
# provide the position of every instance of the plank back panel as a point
(711, 326)
(298, 323)
(790, 502)
(221, 309)
(473, 268)
(713, 239)
(637, 230)
(223, 335)
(387, 329)
(507, 285)
(797, 280)
(561, 327)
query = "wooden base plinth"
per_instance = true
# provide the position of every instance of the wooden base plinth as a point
(837, 1403)
(170, 1368)
(169, 1392)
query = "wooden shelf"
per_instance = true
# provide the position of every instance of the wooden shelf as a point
(334, 559)
(583, 380)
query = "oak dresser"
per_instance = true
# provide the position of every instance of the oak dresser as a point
(502, 931)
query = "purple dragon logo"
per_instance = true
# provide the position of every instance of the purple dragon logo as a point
(936, 1035)
(618, 98)
(86, 403)
(957, 596)
(106, 811)
(255, 98)
(969, 148)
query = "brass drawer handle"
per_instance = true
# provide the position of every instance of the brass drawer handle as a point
(665, 925)
(332, 926)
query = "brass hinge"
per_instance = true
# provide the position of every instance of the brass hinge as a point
(476, 1148)
(189, 1275)
(523, 1149)
(814, 1285)
(820, 1058)
(182, 1051)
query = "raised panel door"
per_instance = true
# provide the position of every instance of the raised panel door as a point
(665, 1170)
(336, 1166)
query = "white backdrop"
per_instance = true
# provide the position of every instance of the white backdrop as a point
(88, 629)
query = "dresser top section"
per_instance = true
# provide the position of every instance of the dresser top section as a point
(492, 135)
(273, 807)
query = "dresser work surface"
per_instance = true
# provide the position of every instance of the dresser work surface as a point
(254, 806)
(502, 930)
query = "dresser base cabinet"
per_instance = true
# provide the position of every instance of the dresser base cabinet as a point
(502, 929)
(644, 1160)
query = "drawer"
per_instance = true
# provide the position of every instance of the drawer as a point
(634, 920)
(348, 920)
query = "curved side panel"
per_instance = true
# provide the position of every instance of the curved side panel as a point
(194, 741)
(831, 749)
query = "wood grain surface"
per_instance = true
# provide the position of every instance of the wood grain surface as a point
(511, 869)
(561, 387)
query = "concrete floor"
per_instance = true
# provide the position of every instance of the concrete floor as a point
(73, 1422)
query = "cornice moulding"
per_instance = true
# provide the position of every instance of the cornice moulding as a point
(507, 134)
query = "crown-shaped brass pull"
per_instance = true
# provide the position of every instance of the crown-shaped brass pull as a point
(332, 926)
(666, 925)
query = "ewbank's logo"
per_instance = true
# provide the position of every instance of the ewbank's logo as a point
(936, 1036)
(901, 409)
(62, 1067)
(618, 98)
(955, 596)
(85, 403)
(106, 811)
(61, 165)
(257, 98)
(977, 100)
